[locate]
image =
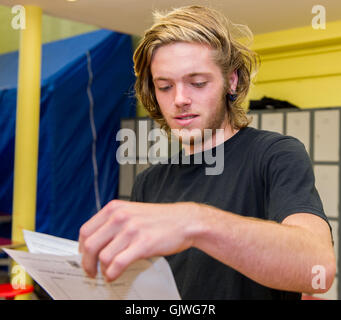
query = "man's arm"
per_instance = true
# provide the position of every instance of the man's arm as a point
(280, 256)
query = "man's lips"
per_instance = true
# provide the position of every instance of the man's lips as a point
(185, 119)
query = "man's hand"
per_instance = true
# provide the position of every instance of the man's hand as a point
(124, 232)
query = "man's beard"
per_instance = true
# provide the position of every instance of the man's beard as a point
(198, 136)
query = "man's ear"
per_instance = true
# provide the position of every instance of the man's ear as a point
(233, 81)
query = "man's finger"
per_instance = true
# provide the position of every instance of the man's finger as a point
(97, 220)
(123, 260)
(98, 240)
(118, 244)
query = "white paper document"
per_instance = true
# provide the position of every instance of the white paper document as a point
(37, 242)
(55, 264)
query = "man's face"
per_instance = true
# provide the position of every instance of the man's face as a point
(189, 87)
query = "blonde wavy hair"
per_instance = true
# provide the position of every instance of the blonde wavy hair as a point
(230, 43)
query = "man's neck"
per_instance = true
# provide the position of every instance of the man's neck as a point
(216, 138)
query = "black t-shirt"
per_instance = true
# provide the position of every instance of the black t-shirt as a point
(266, 175)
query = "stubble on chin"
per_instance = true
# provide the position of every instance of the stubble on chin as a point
(197, 138)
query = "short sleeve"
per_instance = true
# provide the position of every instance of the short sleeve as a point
(289, 181)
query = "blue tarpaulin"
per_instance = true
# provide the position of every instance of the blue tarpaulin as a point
(86, 88)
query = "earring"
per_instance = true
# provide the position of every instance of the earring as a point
(232, 96)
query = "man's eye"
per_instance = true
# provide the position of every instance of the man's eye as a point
(164, 88)
(199, 84)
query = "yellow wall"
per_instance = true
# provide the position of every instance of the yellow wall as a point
(302, 66)
(52, 29)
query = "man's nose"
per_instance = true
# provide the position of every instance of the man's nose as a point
(182, 97)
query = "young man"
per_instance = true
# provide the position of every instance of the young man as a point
(255, 231)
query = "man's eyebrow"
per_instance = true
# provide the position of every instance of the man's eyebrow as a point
(194, 74)
(160, 78)
(190, 75)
